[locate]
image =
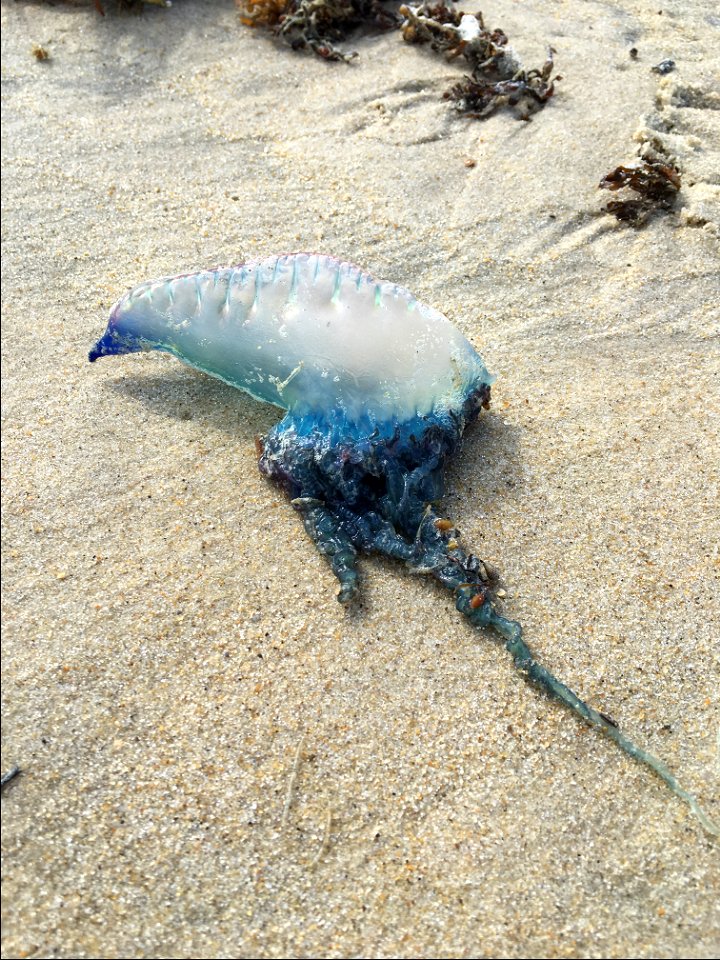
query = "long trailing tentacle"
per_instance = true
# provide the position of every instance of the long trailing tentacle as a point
(443, 558)
(524, 660)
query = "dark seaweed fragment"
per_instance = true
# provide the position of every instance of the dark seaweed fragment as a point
(130, 6)
(316, 25)
(497, 77)
(439, 24)
(656, 183)
(433, 23)
(479, 96)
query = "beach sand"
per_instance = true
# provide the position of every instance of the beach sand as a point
(220, 761)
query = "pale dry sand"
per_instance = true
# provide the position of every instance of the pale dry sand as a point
(175, 660)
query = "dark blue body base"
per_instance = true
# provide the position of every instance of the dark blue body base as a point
(373, 493)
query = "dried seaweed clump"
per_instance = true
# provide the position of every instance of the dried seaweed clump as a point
(131, 6)
(433, 23)
(497, 78)
(261, 13)
(316, 24)
(655, 181)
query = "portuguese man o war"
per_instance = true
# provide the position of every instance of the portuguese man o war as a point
(378, 389)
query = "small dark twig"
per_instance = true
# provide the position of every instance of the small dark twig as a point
(9, 776)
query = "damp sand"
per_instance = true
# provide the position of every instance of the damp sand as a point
(220, 761)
